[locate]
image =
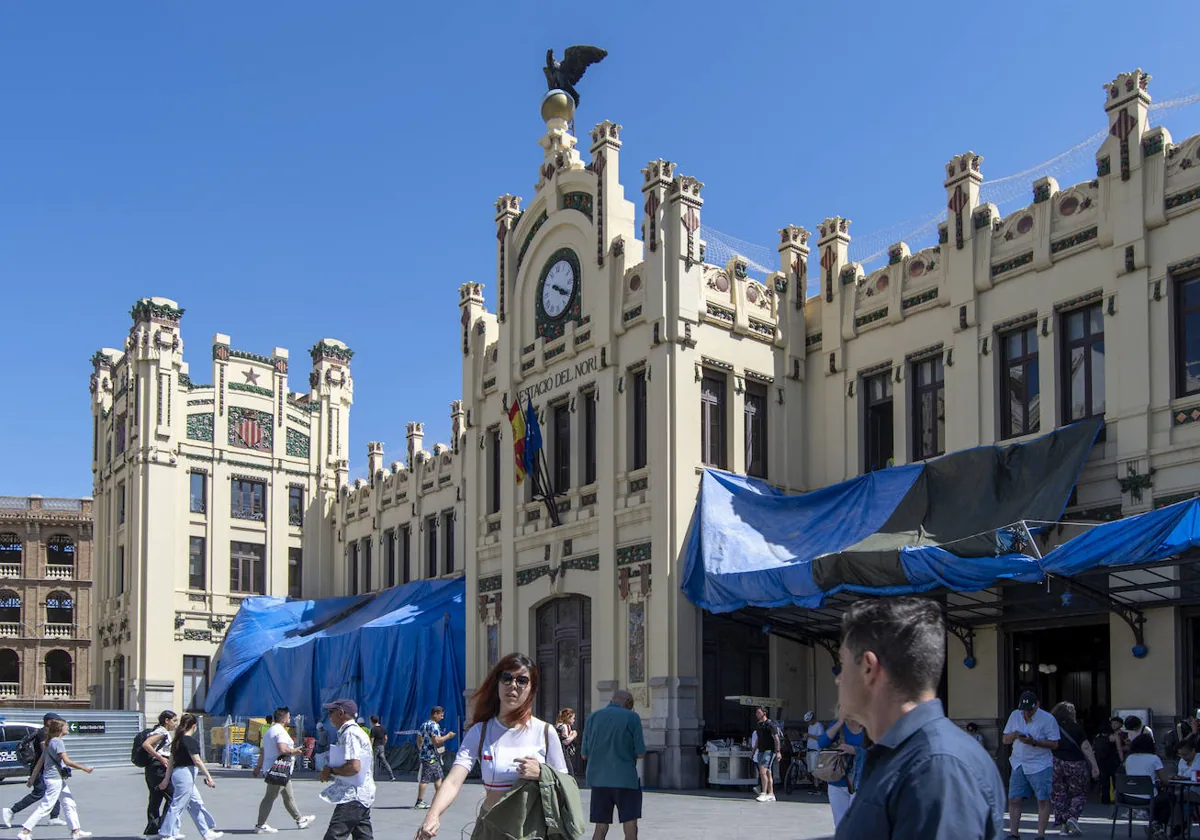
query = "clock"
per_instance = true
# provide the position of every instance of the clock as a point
(558, 286)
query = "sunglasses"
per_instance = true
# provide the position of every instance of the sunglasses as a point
(508, 679)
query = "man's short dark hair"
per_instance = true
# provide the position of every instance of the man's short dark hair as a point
(437, 710)
(907, 635)
(1133, 723)
(280, 714)
(374, 718)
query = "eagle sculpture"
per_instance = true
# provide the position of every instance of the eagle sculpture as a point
(564, 75)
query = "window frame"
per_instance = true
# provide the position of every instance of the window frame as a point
(639, 419)
(714, 453)
(495, 483)
(295, 505)
(560, 420)
(1179, 322)
(588, 454)
(431, 546)
(1029, 362)
(935, 387)
(295, 582)
(258, 563)
(368, 560)
(869, 404)
(352, 566)
(389, 553)
(121, 491)
(405, 552)
(448, 542)
(191, 673)
(202, 502)
(1087, 343)
(759, 392)
(237, 502)
(203, 555)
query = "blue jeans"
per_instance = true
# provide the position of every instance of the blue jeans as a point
(183, 779)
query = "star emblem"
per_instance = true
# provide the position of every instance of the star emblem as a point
(251, 376)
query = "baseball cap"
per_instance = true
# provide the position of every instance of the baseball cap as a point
(52, 716)
(344, 705)
(1028, 701)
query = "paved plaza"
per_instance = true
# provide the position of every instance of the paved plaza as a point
(112, 804)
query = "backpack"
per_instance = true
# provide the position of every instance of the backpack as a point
(28, 749)
(139, 756)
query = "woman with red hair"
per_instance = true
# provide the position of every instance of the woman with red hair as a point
(507, 740)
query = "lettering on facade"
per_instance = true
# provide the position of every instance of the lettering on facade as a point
(564, 377)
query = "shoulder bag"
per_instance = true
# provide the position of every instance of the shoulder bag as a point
(280, 772)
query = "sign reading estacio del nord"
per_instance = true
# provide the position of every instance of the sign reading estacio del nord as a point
(569, 374)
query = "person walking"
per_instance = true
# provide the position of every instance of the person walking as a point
(158, 745)
(1074, 768)
(185, 763)
(924, 778)
(850, 738)
(1110, 749)
(353, 790)
(768, 751)
(379, 739)
(51, 767)
(565, 726)
(612, 744)
(431, 742)
(36, 740)
(812, 748)
(278, 744)
(321, 754)
(1034, 735)
(507, 740)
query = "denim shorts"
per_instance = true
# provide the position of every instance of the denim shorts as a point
(764, 759)
(1037, 785)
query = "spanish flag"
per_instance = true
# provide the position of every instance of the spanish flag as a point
(517, 418)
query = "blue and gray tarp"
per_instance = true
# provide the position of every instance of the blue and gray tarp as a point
(397, 653)
(954, 523)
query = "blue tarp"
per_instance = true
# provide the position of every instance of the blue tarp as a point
(908, 529)
(397, 653)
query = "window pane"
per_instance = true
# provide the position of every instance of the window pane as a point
(1096, 320)
(1190, 341)
(1035, 399)
(1016, 400)
(1098, 397)
(1075, 326)
(197, 494)
(1191, 293)
(196, 563)
(1077, 383)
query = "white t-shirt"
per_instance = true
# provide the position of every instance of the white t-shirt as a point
(1143, 764)
(815, 731)
(276, 736)
(502, 747)
(1188, 771)
(163, 747)
(1043, 727)
(352, 743)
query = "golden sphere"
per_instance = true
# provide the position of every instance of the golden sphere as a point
(558, 104)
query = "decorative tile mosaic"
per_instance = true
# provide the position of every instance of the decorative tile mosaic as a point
(297, 444)
(871, 317)
(1186, 416)
(630, 314)
(637, 642)
(527, 576)
(813, 339)
(580, 201)
(250, 429)
(537, 225)
(1009, 265)
(917, 300)
(1076, 239)
(1074, 302)
(493, 645)
(491, 583)
(638, 485)
(1103, 167)
(1174, 498)
(587, 563)
(633, 554)
(251, 389)
(587, 500)
(200, 427)
(719, 312)
(1180, 199)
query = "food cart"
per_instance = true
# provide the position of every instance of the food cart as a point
(731, 763)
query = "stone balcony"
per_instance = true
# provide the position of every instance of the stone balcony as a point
(57, 691)
(10, 689)
(12, 629)
(60, 572)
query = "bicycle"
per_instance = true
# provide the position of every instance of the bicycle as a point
(798, 773)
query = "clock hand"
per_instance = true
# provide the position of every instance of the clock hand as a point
(558, 289)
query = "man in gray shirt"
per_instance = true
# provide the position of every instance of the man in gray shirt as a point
(924, 778)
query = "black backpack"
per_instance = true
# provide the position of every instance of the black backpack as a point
(29, 748)
(139, 756)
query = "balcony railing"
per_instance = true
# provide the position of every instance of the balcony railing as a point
(58, 631)
(8, 689)
(12, 630)
(10, 570)
(58, 691)
(60, 572)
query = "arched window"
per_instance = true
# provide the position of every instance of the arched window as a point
(60, 613)
(10, 555)
(58, 674)
(60, 557)
(10, 612)
(10, 673)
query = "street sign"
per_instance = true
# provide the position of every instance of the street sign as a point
(85, 727)
(765, 702)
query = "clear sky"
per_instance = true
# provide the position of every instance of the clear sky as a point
(293, 170)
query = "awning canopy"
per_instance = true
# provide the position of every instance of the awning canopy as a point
(951, 523)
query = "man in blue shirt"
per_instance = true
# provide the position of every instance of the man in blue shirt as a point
(924, 779)
(612, 744)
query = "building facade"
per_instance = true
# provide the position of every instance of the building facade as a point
(204, 494)
(45, 601)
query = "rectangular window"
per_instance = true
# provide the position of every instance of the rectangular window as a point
(122, 422)
(712, 420)
(1187, 337)
(249, 499)
(295, 505)
(929, 408)
(639, 429)
(197, 563)
(406, 554)
(368, 577)
(494, 472)
(121, 503)
(878, 422)
(389, 556)
(755, 412)
(448, 538)
(353, 562)
(120, 682)
(120, 569)
(431, 547)
(589, 437)
(198, 493)
(562, 448)
(247, 568)
(1083, 363)
(195, 683)
(1020, 391)
(295, 568)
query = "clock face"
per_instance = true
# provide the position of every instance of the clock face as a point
(558, 288)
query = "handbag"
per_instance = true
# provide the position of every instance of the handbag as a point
(831, 765)
(280, 773)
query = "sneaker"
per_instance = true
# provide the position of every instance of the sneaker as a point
(213, 834)
(24, 834)
(421, 805)
(6, 815)
(770, 797)
(80, 834)
(265, 829)
(57, 821)
(1073, 828)
(305, 822)
(762, 797)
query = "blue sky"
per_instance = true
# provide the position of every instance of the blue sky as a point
(293, 170)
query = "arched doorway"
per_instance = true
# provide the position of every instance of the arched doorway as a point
(11, 550)
(60, 557)
(60, 614)
(564, 657)
(59, 676)
(10, 613)
(10, 673)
